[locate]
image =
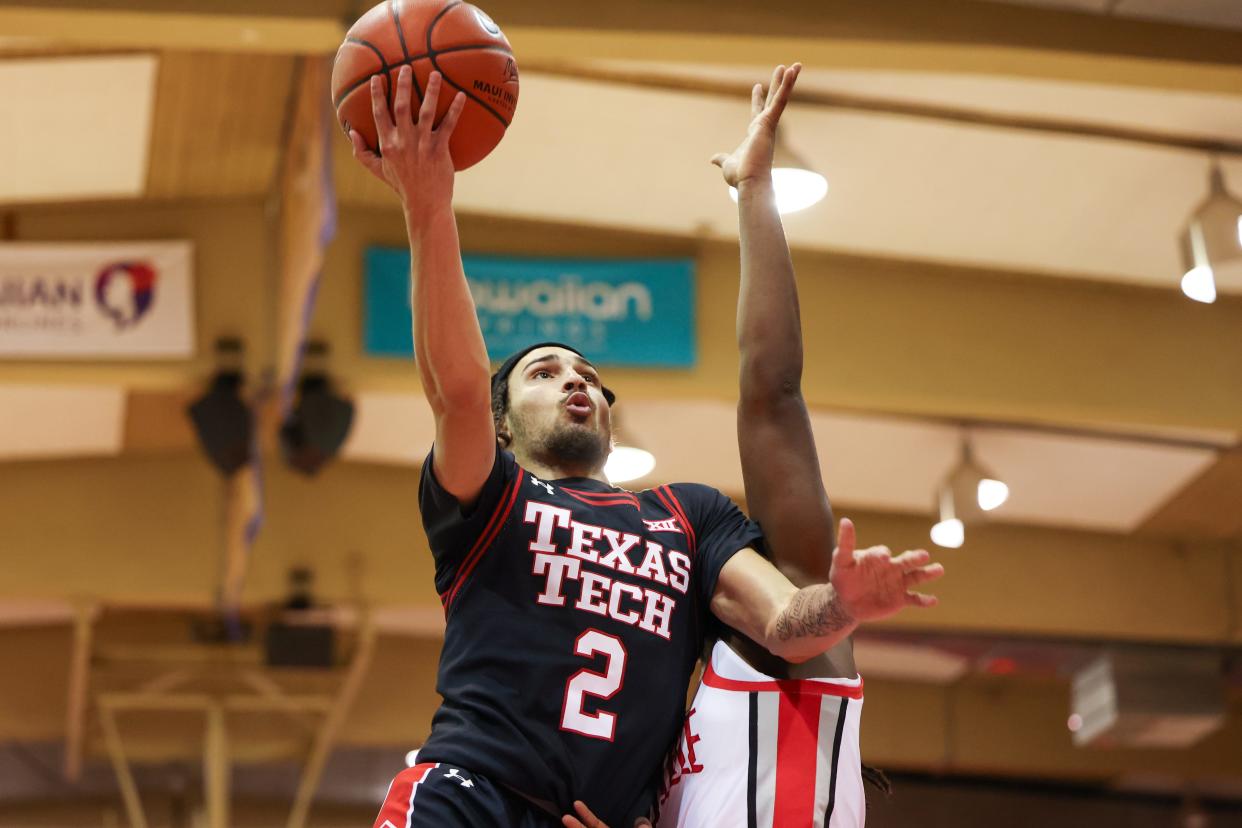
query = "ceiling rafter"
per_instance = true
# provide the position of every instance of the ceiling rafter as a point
(644, 79)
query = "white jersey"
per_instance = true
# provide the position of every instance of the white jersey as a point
(758, 752)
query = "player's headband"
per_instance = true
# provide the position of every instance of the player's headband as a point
(500, 379)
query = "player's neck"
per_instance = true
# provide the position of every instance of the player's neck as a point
(556, 471)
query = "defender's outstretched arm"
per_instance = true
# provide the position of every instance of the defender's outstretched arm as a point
(780, 466)
(784, 487)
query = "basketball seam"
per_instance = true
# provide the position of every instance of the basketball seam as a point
(472, 96)
(484, 47)
(431, 53)
(383, 67)
(480, 47)
(396, 22)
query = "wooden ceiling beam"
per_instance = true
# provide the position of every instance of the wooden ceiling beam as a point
(216, 127)
(962, 22)
(905, 35)
(1208, 508)
(551, 44)
(203, 31)
(663, 81)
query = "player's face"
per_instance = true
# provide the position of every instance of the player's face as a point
(557, 408)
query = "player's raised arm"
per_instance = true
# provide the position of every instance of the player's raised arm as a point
(753, 597)
(780, 466)
(414, 160)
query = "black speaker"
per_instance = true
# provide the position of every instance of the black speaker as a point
(319, 421)
(223, 423)
(300, 645)
(221, 419)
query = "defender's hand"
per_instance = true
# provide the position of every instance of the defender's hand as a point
(873, 583)
(752, 160)
(413, 158)
(586, 819)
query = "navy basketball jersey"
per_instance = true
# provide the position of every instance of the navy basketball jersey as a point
(575, 613)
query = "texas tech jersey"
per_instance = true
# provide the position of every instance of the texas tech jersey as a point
(575, 613)
(758, 752)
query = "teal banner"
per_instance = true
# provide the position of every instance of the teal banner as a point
(628, 312)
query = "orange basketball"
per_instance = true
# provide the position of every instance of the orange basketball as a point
(454, 38)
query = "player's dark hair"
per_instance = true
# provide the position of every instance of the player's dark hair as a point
(500, 409)
(500, 385)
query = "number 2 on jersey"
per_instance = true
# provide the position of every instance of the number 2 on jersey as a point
(602, 724)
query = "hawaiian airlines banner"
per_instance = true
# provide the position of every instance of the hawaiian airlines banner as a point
(637, 312)
(110, 300)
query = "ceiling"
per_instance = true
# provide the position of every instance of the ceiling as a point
(619, 154)
(886, 464)
(1000, 199)
(61, 420)
(49, 151)
(1092, 481)
(1224, 14)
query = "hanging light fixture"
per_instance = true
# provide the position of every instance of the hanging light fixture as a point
(975, 489)
(968, 493)
(795, 182)
(1211, 242)
(949, 531)
(627, 463)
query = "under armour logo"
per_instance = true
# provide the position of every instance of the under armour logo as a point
(454, 774)
(539, 482)
(669, 525)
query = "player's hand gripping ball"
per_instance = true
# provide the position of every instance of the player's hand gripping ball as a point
(449, 36)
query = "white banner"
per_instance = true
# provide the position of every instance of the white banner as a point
(110, 300)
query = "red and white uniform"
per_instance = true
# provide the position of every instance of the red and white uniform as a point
(759, 752)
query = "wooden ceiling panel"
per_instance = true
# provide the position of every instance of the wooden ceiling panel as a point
(1208, 508)
(158, 421)
(218, 127)
(213, 29)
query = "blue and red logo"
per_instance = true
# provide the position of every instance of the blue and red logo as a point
(124, 291)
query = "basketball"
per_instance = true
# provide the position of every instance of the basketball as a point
(454, 38)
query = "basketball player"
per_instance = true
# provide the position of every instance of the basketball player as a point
(574, 610)
(773, 743)
(769, 744)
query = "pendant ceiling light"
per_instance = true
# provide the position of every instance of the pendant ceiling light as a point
(1211, 242)
(796, 183)
(967, 494)
(627, 463)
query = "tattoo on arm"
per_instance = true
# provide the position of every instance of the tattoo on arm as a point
(812, 612)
